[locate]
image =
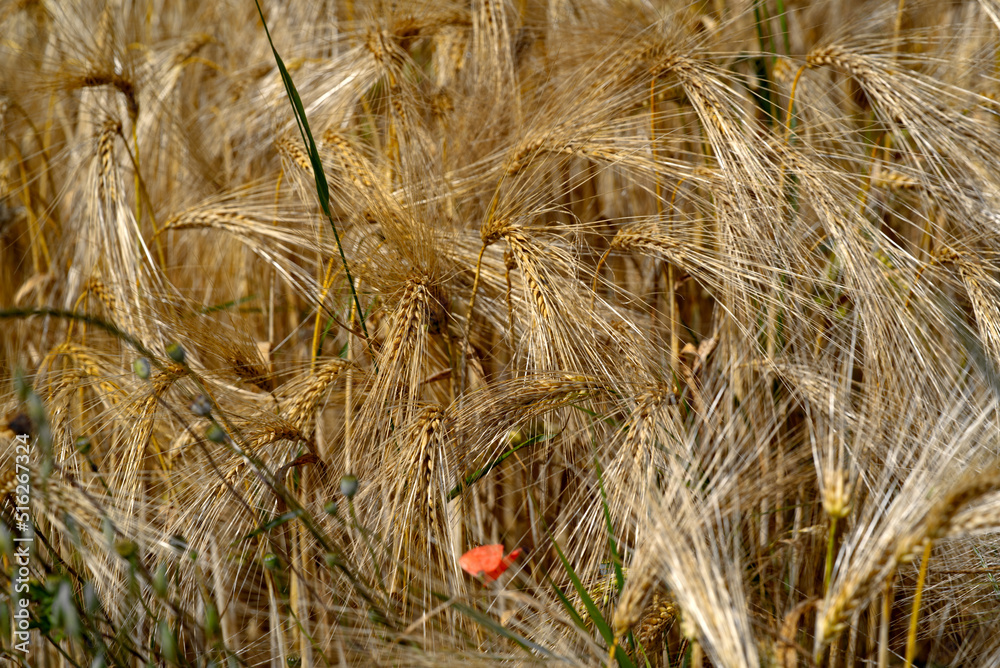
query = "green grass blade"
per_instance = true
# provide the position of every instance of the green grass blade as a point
(573, 613)
(492, 625)
(473, 478)
(225, 306)
(616, 559)
(322, 188)
(783, 18)
(595, 614)
(611, 422)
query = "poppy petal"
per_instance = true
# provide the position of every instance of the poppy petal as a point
(482, 559)
(488, 560)
(504, 565)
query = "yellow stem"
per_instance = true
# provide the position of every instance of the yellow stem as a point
(696, 654)
(916, 279)
(883, 632)
(45, 141)
(673, 196)
(897, 27)
(652, 137)
(76, 306)
(911, 638)
(43, 184)
(791, 102)
(675, 339)
(327, 280)
(510, 304)
(597, 274)
(671, 297)
(142, 195)
(138, 197)
(871, 172)
(191, 60)
(468, 324)
(269, 272)
(788, 122)
(34, 232)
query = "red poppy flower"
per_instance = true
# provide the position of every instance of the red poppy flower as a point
(487, 560)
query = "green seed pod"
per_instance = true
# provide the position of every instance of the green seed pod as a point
(63, 612)
(176, 352)
(215, 433)
(83, 445)
(142, 368)
(36, 409)
(330, 508)
(349, 485)
(271, 561)
(21, 385)
(168, 642)
(90, 600)
(160, 580)
(126, 548)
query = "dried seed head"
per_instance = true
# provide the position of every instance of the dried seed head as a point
(492, 230)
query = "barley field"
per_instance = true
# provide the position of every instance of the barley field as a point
(312, 311)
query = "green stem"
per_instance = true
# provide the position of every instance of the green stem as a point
(830, 542)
